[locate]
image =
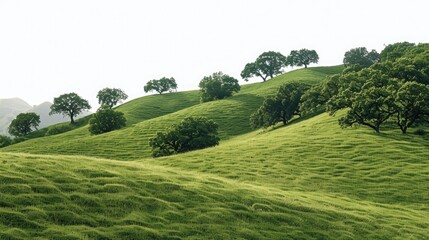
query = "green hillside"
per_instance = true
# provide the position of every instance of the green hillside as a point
(280, 184)
(150, 116)
(308, 180)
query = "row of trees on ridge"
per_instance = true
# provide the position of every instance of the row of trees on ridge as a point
(374, 88)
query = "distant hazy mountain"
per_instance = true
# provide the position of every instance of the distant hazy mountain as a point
(10, 108)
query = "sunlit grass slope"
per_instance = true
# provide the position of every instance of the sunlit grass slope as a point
(57, 197)
(130, 143)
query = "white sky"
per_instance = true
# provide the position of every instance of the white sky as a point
(48, 48)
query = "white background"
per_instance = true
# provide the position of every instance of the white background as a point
(48, 48)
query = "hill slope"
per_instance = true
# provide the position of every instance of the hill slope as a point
(130, 143)
(280, 184)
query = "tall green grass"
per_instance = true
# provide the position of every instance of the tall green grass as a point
(58, 197)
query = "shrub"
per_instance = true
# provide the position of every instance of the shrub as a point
(59, 129)
(420, 132)
(106, 120)
(190, 134)
(5, 141)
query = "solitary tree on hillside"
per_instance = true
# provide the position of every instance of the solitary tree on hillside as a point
(267, 65)
(302, 57)
(23, 124)
(161, 85)
(360, 56)
(218, 86)
(69, 104)
(110, 96)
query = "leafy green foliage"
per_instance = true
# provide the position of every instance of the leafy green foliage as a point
(318, 96)
(279, 108)
(23, 124)
(268, 64)
(360, 56)
(106, 120)
(161, 85)
(303, 57)
(190, 134)
(5, 141)
(412, 104)
(69, 104)
(370, 96)
(394, 51)
(57, 129)
(218, 86)
(111, 96)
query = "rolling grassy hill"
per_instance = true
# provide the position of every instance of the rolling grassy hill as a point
(308, 180)
(146, 116)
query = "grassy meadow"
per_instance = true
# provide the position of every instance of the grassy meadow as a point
(308, 180)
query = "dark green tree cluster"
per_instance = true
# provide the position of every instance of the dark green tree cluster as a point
(303, 57)
(106, 120)
(361, 57)
(281, 107)
(5, 141)
(24, 124)
(393, 89)
(190, 134)
(161, 85)
(218, 86)
(270, 64)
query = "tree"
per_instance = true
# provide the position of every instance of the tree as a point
(373, 104)
(268, 64)
(106, 120)
(279, 108)
(320, 94)
(5, 141)
(190, 134)
(302, 57)
(111, 96)
(69, 104)
(412, 105)
(394, 51)
(360, 56)
(161, 85)
(23, 124)
(218, 86)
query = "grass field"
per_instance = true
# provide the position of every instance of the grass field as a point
(308, 180)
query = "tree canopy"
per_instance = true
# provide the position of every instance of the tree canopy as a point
(110, 96)
(218, 86)
(279, 108)
(394, 51)
(303, 57)
(412, 105)
(190, 134)
(161, 85)
(5, 141)
(267, 65)
(69, 104)
(360, 56)
(23, 124)
(106, 120)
